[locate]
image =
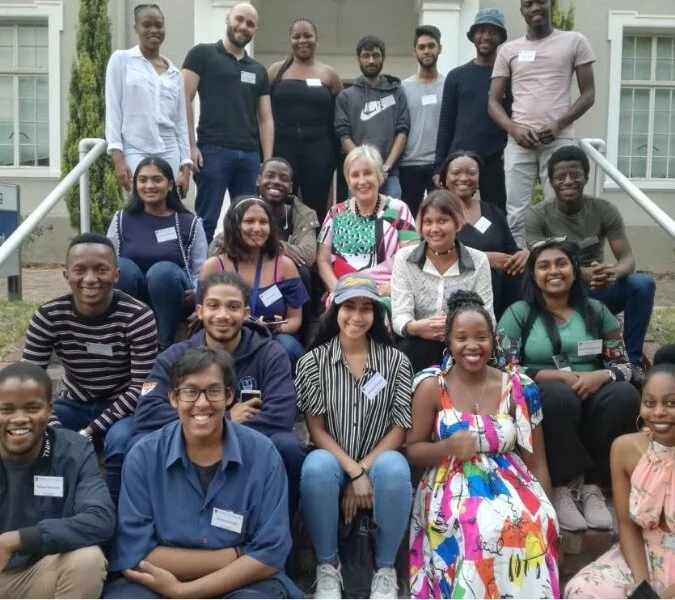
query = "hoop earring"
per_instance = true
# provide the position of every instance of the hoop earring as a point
(639, 427)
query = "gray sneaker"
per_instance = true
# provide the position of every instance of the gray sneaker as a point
(384, 584)
(595, 509)
(569, 517)
(328, 581)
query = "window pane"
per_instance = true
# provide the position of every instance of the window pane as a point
(627, 100)
(6, 155)
(42, 85)
(639, 145)
(662, 100)
(643, 47)
(42, 111)
(624, 165)
(660, 145)
(27, 133)
(641, 100)
(26, 110)
(664, 59)
(640, 121)
(7, 35)
(6, 131)
(27, 87)
(661, 122)
(26, 57)
(627, 69)
(638, 168)
(664, 70)
(43, 156)
(6, 99)
(664, 48)
(671, 168)
(643, 69)
(26, 35)
(26, 155)
(659, 168)
(629, 46)
(43, 134)
(41, 36)
(41, 60)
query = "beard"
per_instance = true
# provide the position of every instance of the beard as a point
(371, 72)
(434, 61)
(229, 32)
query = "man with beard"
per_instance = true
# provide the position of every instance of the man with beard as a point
(465, 123)
(423, 92)
(235, 117)
(374, 111)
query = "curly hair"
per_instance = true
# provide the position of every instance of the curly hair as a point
(463, 301)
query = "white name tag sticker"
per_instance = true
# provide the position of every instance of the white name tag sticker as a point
(100, 349)
(270, 296)
(313, 82)
(166, 235)
(589, 348)
(429, 99)
(388, 101)
(527, 55)
(483, 224)
(374, 386)
(226, 519)
(44, 485)
(247, 77)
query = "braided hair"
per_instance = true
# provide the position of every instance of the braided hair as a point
(289, 59)
(139, 8)
(463, 301)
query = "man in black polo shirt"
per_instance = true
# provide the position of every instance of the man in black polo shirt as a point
(235, 118)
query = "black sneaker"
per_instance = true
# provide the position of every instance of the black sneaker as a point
(638, 377)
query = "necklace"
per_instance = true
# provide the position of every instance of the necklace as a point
(441, 253)
(373, 214)
(476, 404)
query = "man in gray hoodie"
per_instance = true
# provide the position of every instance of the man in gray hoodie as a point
(374, 111)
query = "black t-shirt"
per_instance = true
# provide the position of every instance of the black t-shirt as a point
(228, 90)
(496, 237)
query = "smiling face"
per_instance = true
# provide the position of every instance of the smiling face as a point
(553, 272)
(536, 12)
(24, 412)
(569, 180)
(91, 272)
(363, 180)
(426, 51)
(355, 318)
(242, 23)
(223, 312)
(255, 226)
(657, 407)
(152, 186)
(303, 40)
(275, 182)
(470, 341)
(438, 229)
(486, 39)
(462, 177)
(149, 28)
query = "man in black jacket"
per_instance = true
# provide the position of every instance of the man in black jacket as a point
(55, 509)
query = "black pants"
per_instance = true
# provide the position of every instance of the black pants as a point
(492, 184)
(313, 160)
(505, 291)
(420, 352)
(415, 180)
(578, 433)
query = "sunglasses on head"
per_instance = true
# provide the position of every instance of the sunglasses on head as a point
(547, 241)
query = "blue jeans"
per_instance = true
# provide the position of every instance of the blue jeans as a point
(224, 169)
(121, 587)
(76, 415)
(163, 288)
(634, 295)
(292, 345)
(392, 187)
(321, 485)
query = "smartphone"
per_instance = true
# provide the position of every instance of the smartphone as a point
(273, 322)
(246, 395)
(644, 590)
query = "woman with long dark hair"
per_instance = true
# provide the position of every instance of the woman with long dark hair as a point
(303, 92)
(252, 248)
(354, 389)
(573, 348)
(160, 245)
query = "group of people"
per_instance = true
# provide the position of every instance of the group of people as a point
(472, 351)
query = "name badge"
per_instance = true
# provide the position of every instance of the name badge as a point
(313, 82)
(374, 386)
(526, 55)
(388, 101)
(483, 224)
(270, 296)
(100, 349)
(44, 485)
(589, 348)
(247, 77)
(226, 519)
(166, 235)
(429, 99)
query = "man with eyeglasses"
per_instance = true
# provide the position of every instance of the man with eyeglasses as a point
(590, 222)
(203, 510)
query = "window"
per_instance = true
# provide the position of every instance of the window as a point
(646, 137)
(24, 95)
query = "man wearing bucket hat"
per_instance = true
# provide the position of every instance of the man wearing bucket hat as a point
(464, 122)
(539, 68)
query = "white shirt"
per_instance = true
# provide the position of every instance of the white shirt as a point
(138, 101)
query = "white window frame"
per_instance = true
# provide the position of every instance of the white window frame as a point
(621, 23)
(50, 11)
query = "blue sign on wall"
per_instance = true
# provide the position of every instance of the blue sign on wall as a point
(9, 221)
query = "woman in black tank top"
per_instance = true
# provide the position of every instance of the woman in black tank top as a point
(303, 94)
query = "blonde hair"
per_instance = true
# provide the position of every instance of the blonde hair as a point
(371, 155)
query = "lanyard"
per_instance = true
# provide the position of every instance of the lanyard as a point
(256, 286)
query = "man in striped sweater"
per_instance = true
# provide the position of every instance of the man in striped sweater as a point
(107, 343)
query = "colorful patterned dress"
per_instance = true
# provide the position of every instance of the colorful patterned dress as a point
(652, 496)
(484, 528)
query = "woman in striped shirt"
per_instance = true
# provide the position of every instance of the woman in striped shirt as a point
(355, 391)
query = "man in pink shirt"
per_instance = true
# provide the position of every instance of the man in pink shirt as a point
(540, 67)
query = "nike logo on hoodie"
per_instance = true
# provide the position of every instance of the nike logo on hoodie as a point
(375, 107)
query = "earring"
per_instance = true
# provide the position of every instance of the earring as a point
(639, 427)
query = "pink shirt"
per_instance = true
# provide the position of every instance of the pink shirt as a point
(541, 74)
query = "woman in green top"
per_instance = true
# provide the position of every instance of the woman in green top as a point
(573, 349)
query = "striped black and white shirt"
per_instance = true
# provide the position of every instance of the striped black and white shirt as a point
(356, 417)
(106, 357)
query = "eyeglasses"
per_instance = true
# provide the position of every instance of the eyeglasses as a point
(190, 395)
(573, 175)
(471, 171)
(547, 241)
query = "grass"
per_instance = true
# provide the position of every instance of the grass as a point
(662, 326)
(14, 317)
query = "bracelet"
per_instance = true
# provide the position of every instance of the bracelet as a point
(361, 474)
(363, 466)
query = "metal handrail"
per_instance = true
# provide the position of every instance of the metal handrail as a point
(90, 149)
(591, 146)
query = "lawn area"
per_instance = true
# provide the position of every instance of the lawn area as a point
(662, 326)
(14, 317)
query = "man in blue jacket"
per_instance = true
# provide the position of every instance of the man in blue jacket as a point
(261, 364)
(55, 509)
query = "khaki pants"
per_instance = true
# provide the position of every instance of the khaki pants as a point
(76, 574)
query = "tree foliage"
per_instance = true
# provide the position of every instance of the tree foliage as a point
(86, 115)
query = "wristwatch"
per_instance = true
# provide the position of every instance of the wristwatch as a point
(612, 374)
(386, 169)
(84, 433)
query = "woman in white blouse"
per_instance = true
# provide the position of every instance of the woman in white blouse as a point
(145, 104)
(426, 275)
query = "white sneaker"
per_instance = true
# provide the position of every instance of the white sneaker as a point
(384, 584)
(328, 581)
(595, 509)
(569, 517)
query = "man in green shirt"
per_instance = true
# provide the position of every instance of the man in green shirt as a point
(589, 222)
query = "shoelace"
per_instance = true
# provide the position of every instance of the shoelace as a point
(384, 579)
(329, 572)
